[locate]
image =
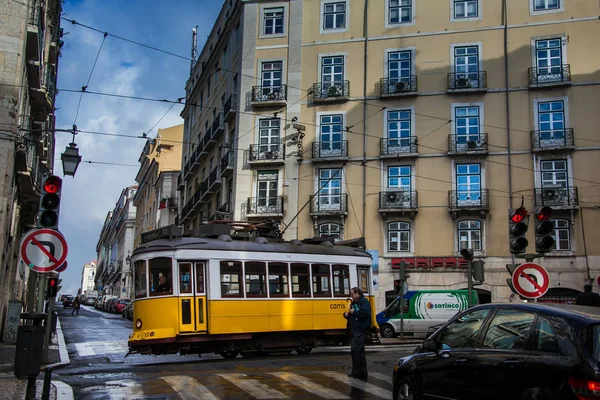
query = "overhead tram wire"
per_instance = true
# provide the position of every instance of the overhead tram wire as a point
(83, 88)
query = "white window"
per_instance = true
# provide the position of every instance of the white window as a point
(467, 127)
(399, 178)
(399, 71)
(266, 192)
(469, 235)
(400, 11)
(544, 5)
(549, 60)
(399, 131)
(399, 236)
(466, 67)
(329, 230)
(551, 123)
(468, 185)
(330, 185)
(273, 21)
(330, 142)
(562, 236)
(334, 15)
(268, 138)
(271, 80)
(466, 9)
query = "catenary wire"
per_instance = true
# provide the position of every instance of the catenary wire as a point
(83, 89)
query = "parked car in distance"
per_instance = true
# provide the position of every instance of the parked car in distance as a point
(68, 301)
(128, 312)
(120, 305)
(520, 351)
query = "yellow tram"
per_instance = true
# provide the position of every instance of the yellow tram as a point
(229, 292)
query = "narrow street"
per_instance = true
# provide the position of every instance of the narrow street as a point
(100, 368)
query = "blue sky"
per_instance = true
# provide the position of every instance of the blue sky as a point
(126, 69)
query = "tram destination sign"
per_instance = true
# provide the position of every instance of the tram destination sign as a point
(166, 232)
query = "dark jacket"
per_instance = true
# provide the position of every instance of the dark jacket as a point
(360, 319)
(588, 299)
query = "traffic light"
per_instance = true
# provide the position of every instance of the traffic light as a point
(397, 285)
(467, 254)
(52, 287)
(49, 202)
(478, 272)
(402, 270)
(518, 223)
(544, 229)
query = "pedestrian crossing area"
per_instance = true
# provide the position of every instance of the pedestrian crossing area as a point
(238, 385)
(86, 349)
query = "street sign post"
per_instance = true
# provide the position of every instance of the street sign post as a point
(530, 280)
(43, 250)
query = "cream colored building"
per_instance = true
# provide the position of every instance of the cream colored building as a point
(412, 124)
(156, 200)
(87, 277)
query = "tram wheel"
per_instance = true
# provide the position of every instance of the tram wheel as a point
(229, 355)
(303, 350)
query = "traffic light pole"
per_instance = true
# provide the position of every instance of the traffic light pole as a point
(401, 309)
(470, 282)
(48, 328)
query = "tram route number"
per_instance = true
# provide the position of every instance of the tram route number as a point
(338, 306)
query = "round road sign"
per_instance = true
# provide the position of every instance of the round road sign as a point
(531, 280)
(44, 250)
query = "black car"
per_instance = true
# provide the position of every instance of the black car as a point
(523, 351)
(69, 301)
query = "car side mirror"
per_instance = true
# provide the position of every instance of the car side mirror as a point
(430, 345)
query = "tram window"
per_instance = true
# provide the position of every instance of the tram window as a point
(185, 278)
(320, 276)
(278, 280)
(300, 280)
(256, 279)
(231, 279)
(363, 278)
(200, 278)
(140, 279)
(341, 280)
(161, 276)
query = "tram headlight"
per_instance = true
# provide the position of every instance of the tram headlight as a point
(138, 323)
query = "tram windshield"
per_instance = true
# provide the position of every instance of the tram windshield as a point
(140, 279)
(161, 276)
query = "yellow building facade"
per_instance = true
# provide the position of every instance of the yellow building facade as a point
(417, 124)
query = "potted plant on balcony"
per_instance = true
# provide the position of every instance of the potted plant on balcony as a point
(333, 91)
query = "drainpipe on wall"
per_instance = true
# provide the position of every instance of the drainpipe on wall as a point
(510, 190)
(364, 162)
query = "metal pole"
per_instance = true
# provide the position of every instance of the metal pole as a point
(31, 382)
(41, 292)
(47, 380)
(31, 290)
(48, 334)
(401, 309)
(470, 282)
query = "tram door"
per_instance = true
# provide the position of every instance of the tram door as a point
(192, 300)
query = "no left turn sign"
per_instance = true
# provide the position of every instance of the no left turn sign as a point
(44, 250)
(530, 280)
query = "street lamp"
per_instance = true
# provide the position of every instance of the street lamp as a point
(70, 159)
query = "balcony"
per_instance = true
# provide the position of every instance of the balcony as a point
(552, 140)
(473, 144)
(260, 154)
(227, 163)
(542, 77)
(218, 127)
(230, 108)
(209, 140)
(203, 189)
(42, 99)
(268, 96)
(560, 198)
(329, 92)
(214, 179)
(35, 33)
(467, 82)
(329, 204)
(330, 151)
(55, 43)
(180, 181)
(399, 147)
(396, 87)
(264, 207)
(467, 202)
(223, 213)
(398, 202)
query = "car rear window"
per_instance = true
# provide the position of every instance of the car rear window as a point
(591, 338)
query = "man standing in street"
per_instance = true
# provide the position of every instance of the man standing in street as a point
(588, 298)
(359, 315)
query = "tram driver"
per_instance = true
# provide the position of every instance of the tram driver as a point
(163, 284)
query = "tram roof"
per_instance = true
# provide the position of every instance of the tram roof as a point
(204, 243)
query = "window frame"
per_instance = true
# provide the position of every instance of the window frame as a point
(388, 7)
(533, 11)
(470, 230)
(330, 224)
(263, 273)
(287, 277)
(307, 274)
(241, 278)
(141, 292)
(399, 231)
(319, 283)
(154, 293)
(322, 28)
(507, 311)
(264, 9)
(557, 229)
(344, 268)
(454, 18)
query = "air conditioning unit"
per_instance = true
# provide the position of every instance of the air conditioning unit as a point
(269, 155)
(552, 194)
(393, 197)
(463, 82)
(400, 86)
(473, 144)
(334, 91)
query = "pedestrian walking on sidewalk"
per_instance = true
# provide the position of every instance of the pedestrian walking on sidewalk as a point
(76, 305)
(359, 315)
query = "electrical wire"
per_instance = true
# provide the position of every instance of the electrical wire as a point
(83, 88)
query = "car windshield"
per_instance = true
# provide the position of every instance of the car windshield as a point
(591, 337)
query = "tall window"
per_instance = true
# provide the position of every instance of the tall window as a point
(551, 122)
(329, 230)
(466, 8)
(548, 54)
(400, 11)
(268, 138)
(398, 131)
(231, 279)
(467, 127)
(334, 15)
(255, 279)
(332, 75)
(330, 193)
(271, 77)
(331, 135)
(273, 21)
(266, 191)
(399, 178)
(300, 280)
(469, 235)
(542, 5)
(398, 236)
(555, 183)
(468, 184)
(561, 234)
(399, 67)
(341, 280)
(466, 66)
(320, 280)
(278, 280)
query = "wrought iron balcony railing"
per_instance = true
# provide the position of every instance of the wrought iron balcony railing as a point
(268, 95)
(230, 107)
(264, 205)
(328, 150)
(389, 87)
(467, 81)
(329, 204)
(266, 152)
(217, 126)
(399, 146)
(476, 143)
(398, 200)
(223, 213)
(549, 76)
(214, 177)
(227, 162)
(552, 139)
(557, 197)
(329, 91)
(469, 199)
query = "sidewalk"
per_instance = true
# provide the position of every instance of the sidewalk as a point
(13, 388)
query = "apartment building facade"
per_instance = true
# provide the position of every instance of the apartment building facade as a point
(417, 127)
(156, 199)
(30, 43)
(87, 277)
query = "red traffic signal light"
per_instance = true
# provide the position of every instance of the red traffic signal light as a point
(50, 202)
(543, 213)
(544, 230)
(518, 223)
(52, 184)
(52, 287)
(518, 215)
